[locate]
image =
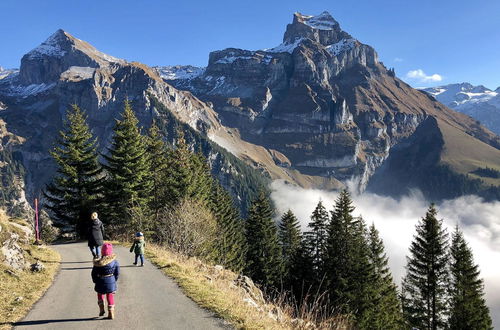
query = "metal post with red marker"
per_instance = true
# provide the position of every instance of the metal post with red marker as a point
(37, 232)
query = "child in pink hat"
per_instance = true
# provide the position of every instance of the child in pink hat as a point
(105, 274)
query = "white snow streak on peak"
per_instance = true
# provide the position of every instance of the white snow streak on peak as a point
(231, 59)
(174, 72)
(30, 90)
(285, 47)
(50, 47)
(4, 73)
(323, 21)
(266, 59)
(341, 46)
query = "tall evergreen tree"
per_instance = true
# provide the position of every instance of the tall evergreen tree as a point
(424, 286)
(468, 308)
(128, 189)
(316, 238)
(201, 182)
(157, 152)
(76, 190)
(349, 274)
(230, 243)
(336, 260)
(290, 241)
(263, 256)
(178, 170)
(386, 312)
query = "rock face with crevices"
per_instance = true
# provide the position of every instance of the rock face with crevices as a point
(322, 99)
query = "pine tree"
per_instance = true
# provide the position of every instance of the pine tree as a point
(157, 152)
(128, 189)
(424, 286)
(468, 308)
(316, 238)
(263, 256)
(290, 241)
(230, 243)
(201, 182)
(76, 190)
(386, 312)
(349, 274)
(338, 249)
(178, 171)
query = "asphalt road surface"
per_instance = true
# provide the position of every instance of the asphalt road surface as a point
(145, 299)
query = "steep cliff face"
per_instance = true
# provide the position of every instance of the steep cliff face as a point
(321, 98)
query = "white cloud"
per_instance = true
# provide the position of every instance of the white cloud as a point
(398, 59)
(396, 220)
(420, 76)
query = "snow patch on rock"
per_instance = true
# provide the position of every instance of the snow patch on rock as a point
(78, 73)
(175, 72)
(29, 90)
(4, 73)
(341, 46)
(323, 21)
(50, 47)
(285, 47)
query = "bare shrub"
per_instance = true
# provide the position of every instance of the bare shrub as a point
(189, 229)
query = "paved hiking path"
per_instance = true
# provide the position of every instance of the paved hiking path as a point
(145, 299)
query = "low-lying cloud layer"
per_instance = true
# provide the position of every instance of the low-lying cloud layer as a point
(396, 220)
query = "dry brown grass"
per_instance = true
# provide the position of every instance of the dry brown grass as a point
(213, 290)
(19, 290)
(216, 291)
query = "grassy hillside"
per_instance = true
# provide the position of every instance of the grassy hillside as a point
(438, 159)
(464, 154)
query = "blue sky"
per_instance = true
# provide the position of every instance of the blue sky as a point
(437, 42)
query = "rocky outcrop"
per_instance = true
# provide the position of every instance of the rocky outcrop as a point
(13, 237)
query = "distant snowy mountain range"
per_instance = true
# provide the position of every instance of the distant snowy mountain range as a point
(479, 102)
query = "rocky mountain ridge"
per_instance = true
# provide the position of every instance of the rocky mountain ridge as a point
(64, 70)
(319, 110)
(322, 99)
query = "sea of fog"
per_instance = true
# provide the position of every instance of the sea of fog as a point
(396, 220)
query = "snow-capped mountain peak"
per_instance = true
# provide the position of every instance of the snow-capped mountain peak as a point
(53, 46)
(61, 43)
(323, 21)
(45, 63)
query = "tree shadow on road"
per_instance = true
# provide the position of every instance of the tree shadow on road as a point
(75, 268)
(36, 322)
